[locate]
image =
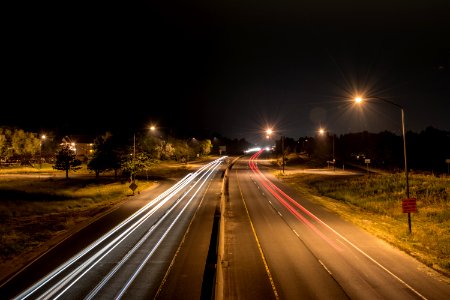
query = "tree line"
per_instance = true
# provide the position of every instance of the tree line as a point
(428, 150)
(110, 152)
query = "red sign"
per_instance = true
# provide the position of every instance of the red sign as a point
(409, 205)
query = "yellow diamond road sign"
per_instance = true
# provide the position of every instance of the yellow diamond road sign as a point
(133, 186)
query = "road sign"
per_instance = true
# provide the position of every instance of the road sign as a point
(409, 205)
(133, 186)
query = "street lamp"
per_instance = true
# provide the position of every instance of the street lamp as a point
(322, 132)
(360, 100)
(162, 138)
(269, 132)
(41, 140)
(158, 131)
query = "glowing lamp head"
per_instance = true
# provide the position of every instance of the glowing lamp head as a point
(358, 100)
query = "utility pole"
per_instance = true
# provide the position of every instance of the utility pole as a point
(334, 159)
(282, 151)
(359, 100)
(42, 138)
(133, 185)
(134, 155)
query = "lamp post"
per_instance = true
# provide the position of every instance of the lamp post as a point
(282, 151)
(43, 137)
(269, 132)
(360, 100)
(134, 158)
(322, 132)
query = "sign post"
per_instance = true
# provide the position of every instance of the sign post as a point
(133, 186)
(367, 161)
(409, 206)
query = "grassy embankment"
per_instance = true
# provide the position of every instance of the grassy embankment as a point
(373, 202)
(43, 205)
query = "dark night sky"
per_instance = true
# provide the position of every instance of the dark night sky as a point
(228, 67)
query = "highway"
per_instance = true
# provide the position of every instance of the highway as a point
(278, 244)
(271, 242)
(133, 259)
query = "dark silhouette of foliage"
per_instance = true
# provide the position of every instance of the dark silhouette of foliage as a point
(106, 156)
(426, 151)
(66, 160)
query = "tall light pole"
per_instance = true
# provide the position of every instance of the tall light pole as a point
(360, 100)
(282, 151)
(41, 140)
(322, 132)
(269, 132)
(134, 156)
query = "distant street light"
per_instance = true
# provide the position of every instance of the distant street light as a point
(322, 132)
(360, 100)
(41, 140)
(269, 131)
(158, 131)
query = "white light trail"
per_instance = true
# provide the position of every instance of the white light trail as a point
(138, 270)
(133, 222)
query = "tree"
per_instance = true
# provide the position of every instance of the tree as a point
(151, 145)
(134, 165)
(18, 144)
(105, 156)
(205, 147)
(66, 160)
(181, 152)
(5, 144)
(164, 150)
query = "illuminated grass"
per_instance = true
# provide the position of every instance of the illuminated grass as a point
(373, 202)
(34, 211)
(45, 168)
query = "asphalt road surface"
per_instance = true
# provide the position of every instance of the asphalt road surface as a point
(280, 245)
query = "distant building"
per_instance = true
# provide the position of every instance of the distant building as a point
(81, 145)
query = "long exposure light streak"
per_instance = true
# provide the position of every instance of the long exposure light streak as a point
(132, 223)
(271, 187)
(138, 270)
(75, 275)
(110, 246)
(145, 237)
(71, 261)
